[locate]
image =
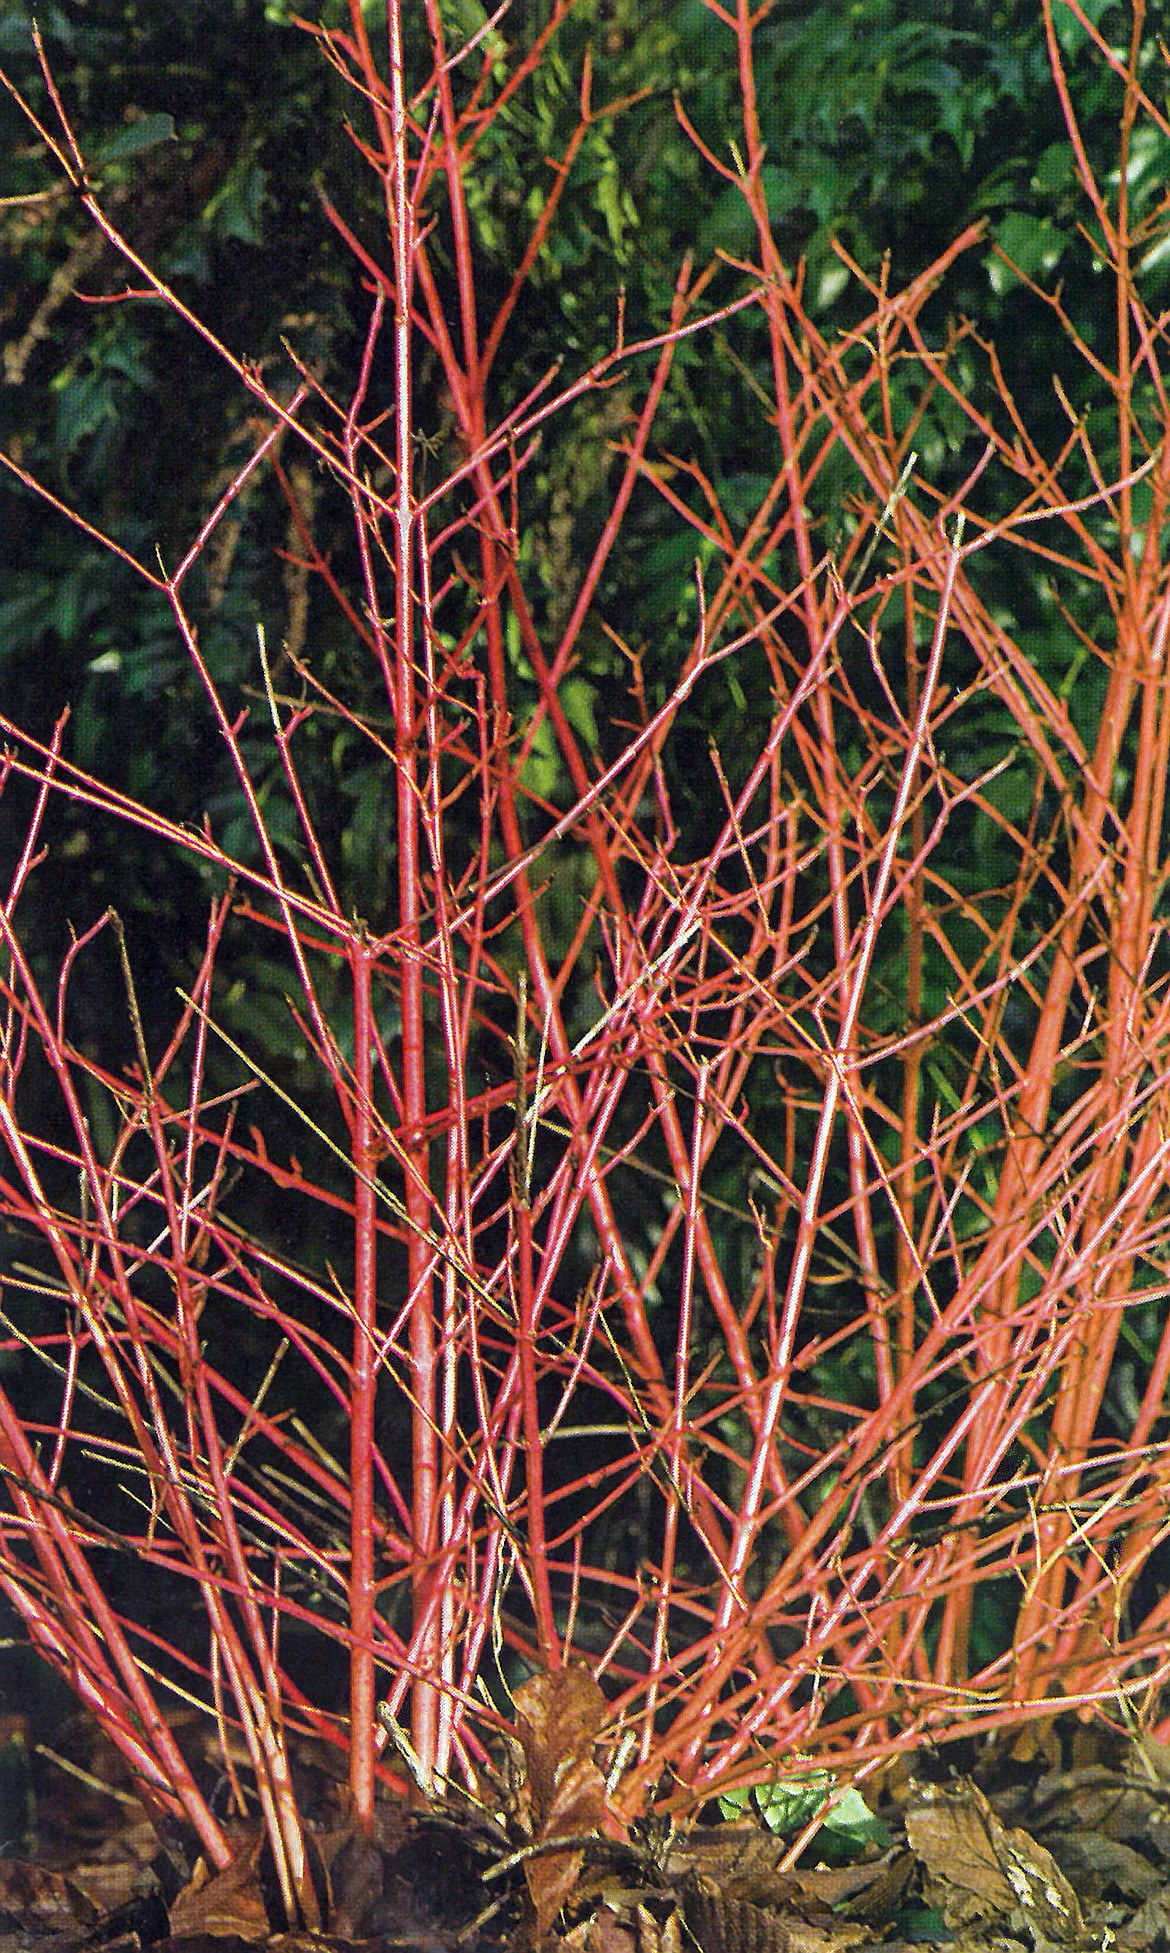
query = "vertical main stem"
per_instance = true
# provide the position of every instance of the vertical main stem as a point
(361, 1409)
(527, 1310)
(424, 1446)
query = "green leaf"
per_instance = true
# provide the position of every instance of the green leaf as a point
(542, 769)
(1055, 169)
(145, 132)
(1069, 31)
(237, 208)
(793, 1802)
(1033, 245)
(579, 701)
(851, 1819)
(790, 1803)
(618, 208)
(786, 1805)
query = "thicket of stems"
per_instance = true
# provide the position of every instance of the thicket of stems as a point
(765, 1510)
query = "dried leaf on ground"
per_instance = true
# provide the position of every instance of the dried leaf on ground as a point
(227, 1904)
(723, 1923)
(982, 1868)
(559, 1717)
(41, 1901)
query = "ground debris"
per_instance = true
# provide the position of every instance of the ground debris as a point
(1051, 1856)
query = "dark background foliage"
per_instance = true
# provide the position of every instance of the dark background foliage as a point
(212, 126)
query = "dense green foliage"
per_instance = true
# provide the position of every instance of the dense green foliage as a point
(888, 127)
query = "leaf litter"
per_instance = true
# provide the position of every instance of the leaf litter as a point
(1060, 1847)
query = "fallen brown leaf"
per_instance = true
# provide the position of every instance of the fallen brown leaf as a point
(968, 1852)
